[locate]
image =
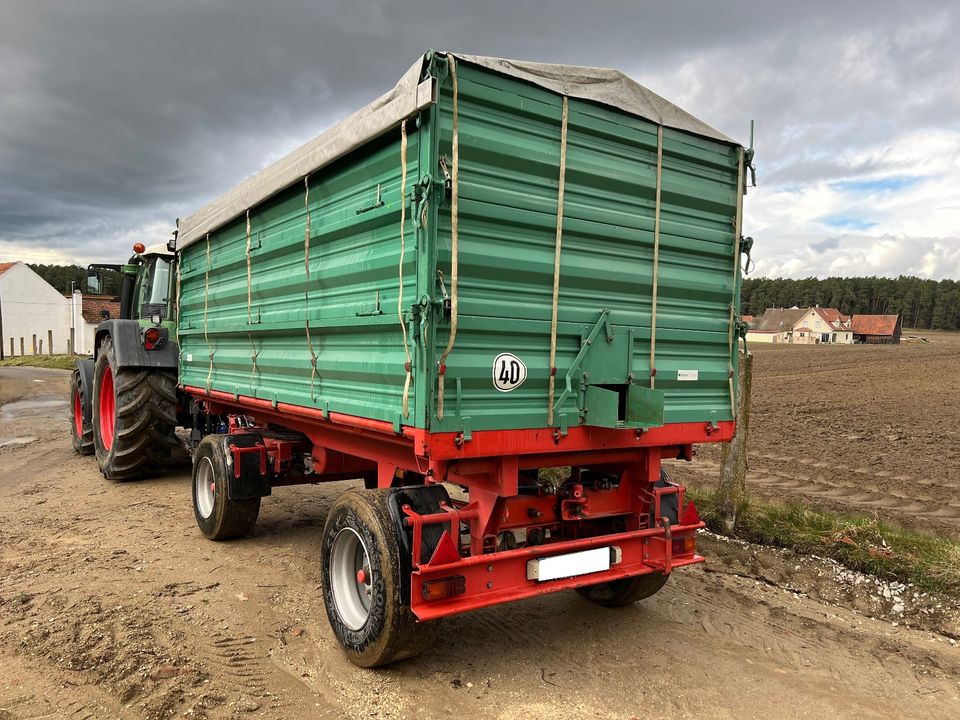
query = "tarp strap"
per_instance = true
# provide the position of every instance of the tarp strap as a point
(206, 302)
(656, 260)
(306, 286)
(249, 284)
(454, 236)
(408, 365)
(555, 307)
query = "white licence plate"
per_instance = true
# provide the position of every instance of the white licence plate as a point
(570, 565)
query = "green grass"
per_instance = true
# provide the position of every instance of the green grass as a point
(860, 543)
(62, 362)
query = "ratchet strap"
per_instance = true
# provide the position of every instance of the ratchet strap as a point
(306, 286)
(656, 260)
(454, 237)
(556, 259)
(206, 302)
(408, 364)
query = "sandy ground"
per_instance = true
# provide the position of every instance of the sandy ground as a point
(866, 429)
(113, 606)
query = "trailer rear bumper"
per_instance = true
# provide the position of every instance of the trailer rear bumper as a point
(448, 585)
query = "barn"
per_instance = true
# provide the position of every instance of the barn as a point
(32, 313)
(877, 329)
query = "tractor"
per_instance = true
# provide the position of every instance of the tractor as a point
(125, 402)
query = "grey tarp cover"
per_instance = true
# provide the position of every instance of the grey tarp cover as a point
(601, 85)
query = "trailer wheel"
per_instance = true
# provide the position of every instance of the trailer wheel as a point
(219, 517)
(617, 593)
(81, 429)
(134, 417)
(361, 570)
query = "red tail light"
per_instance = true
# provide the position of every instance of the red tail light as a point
(684, 545)
(445, 587)
(151, 338)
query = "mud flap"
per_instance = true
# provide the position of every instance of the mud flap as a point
(248, 481)
(424, 500)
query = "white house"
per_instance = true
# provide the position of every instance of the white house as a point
(32, 312)
(802, 326)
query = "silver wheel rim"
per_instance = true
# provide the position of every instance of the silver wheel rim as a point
(205, 487)
(351, 579)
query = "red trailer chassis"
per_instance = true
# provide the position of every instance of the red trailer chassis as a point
(624, 518)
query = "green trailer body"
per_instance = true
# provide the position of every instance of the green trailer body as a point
(299, 299)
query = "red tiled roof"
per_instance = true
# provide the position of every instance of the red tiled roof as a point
(6, 266)
(875, 324)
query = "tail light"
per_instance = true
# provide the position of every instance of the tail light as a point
(444, 587)
(684, 545)
(152, 338)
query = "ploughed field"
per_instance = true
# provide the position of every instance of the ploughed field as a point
(112, 605)
(867, 429)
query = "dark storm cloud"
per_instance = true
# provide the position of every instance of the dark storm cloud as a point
(116, 117)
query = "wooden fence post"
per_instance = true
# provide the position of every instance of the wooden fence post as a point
(732, 488)
(33, 345)
(49, 342)
(21, 348)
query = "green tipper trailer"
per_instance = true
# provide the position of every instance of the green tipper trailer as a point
(495, 268)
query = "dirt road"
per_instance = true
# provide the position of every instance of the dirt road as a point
(113, 606)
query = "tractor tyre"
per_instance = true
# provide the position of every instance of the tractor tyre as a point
(134, 417)
(81, 428)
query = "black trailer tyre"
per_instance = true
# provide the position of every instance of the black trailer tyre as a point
(361, 571)
(617, 593)
(134, 417)
(218, 517)
(81, 429)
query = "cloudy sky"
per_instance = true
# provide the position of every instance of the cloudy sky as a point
(118, 116)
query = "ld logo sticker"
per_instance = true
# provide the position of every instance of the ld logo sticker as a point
(509, 372)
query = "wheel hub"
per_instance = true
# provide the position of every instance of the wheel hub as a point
(351, 579)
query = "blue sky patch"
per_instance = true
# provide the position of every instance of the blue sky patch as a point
(891, 183)
(847, 222)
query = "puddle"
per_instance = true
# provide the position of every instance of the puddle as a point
(52, 407)
(25, 440)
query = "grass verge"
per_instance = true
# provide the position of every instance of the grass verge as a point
(860, 543)
(61, 362)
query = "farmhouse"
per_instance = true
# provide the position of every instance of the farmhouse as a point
(876, 329)
(33, 314)
(775, 325)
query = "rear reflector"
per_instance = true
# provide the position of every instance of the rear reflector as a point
(684, 545)
(444, 587)
(572, 564)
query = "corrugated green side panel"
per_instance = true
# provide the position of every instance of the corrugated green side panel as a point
(509, 170)
(350, 301)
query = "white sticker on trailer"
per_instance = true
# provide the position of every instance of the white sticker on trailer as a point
(569, 565)
(688, 375)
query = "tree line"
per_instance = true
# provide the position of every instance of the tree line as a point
(66, 278)
(924, 304)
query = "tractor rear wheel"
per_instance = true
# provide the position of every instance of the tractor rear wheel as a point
(81, 429)
(361, 572)
(134, 417)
